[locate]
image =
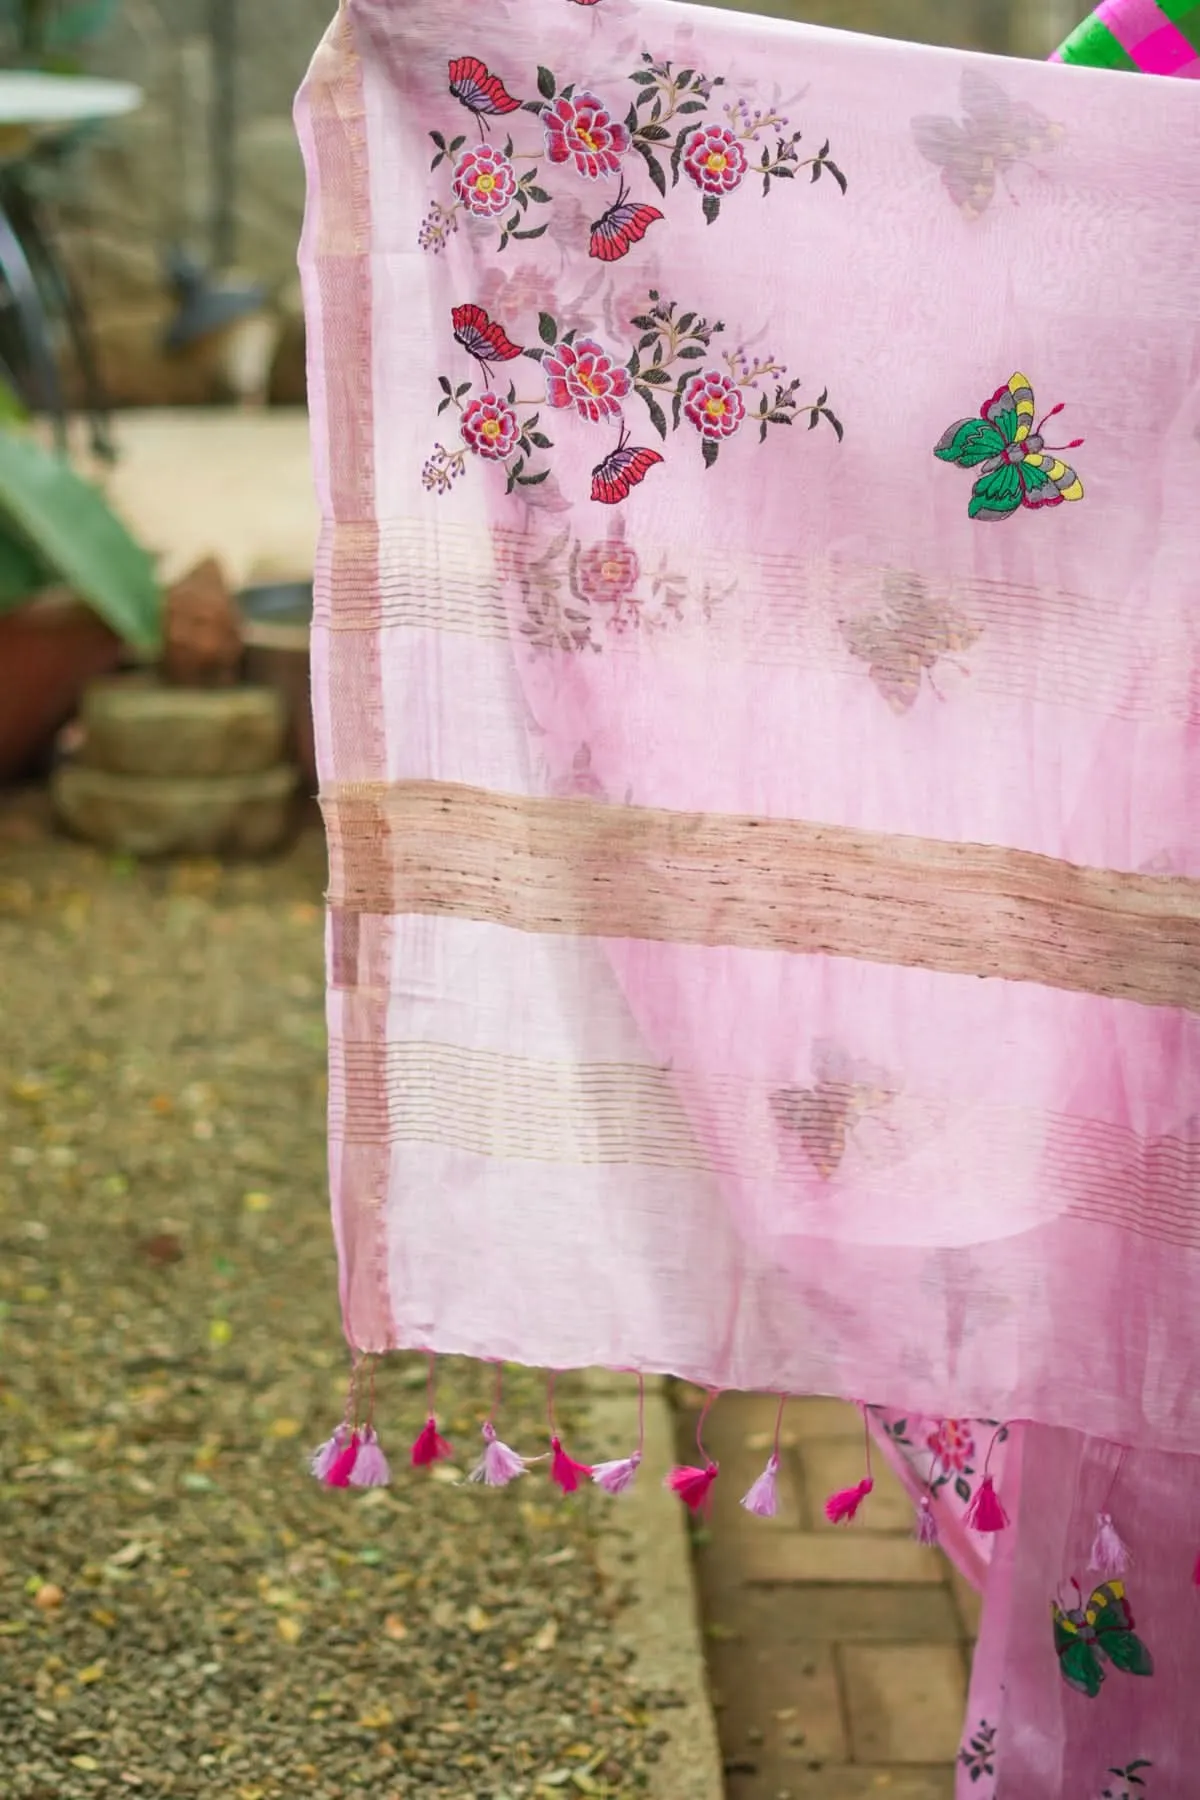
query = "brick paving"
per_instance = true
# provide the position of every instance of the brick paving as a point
(838, 1657)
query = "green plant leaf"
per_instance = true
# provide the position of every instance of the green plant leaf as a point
(67, 528)
(21, 574)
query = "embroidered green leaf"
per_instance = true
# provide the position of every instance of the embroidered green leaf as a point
(654, 134)
(712, 208)
(546, 84)
(532, 480)
(690, 352)
(540, 439)
(537, 232)
(644, 78)
(691, 106)
(962, 1488)
(658, 377)
(653, 167)
(657, 417)
(539, 195)
(711, 451)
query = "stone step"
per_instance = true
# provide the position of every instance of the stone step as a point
(142, 815)
(134, 726)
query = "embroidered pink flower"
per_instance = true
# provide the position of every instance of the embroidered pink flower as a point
(585, 376)
(583, 131)
(952, 1443)
(714, 159)
(608, 572)
(490, 427)
(484, 181)
(713, 402)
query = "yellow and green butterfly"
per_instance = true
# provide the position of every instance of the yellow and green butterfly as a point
(1101, 1629)
(1016, 466)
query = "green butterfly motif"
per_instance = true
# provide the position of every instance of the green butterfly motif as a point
(1016, 467)
(1102, 1628)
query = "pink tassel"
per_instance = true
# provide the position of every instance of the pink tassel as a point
(338, 1473)
(564, 1472)
(763, 1498)
(986, 1513)
(498, 1465)
(430, 1447)
(615, 1477)
(322, 1460)
(370, 1465)
(1109, 1556)
(1196, 1573)
(694, 1486)
(927, 1530)
(841, 1509)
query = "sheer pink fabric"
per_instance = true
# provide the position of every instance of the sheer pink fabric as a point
(759, 767)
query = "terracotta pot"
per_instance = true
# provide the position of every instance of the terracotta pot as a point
(49, 651)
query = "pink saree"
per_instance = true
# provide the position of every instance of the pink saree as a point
(756, 679)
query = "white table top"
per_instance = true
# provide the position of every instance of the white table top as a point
(28, 97)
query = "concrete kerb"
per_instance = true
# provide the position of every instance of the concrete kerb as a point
(644, 1554)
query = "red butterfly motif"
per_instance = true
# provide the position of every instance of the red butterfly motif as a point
(624, 224)
(627, 465)
(481, 92)
(481, 337)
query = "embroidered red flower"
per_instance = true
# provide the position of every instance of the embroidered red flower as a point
(484, 181)
(952, 1443)
(608, 572)
(585, 376)
(491, 427)
(714, 159)
(713, 402)
(580, 129)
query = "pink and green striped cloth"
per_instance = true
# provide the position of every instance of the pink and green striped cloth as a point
(1151, 37)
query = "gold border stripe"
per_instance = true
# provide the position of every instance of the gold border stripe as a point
(583, 868)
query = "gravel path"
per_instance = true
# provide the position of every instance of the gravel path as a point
(182, 1610)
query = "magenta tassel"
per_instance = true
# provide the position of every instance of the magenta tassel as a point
(763, 1498)
(1109, 1556)
(370, 1465)
(564, 1472)
(927, 1530)
(338, 1473)
(986, 1513)
(694, 1486)
(615, 1477)
(430, 1447)
(1196, 1573)
(322, 1460)
(841, 1509)
(498, 1465)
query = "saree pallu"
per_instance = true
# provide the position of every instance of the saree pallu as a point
(756, 683)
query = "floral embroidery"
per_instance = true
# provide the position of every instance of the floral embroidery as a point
(583, 375)
(713, 402)
(996, 135)
(491, 427)
(714, 159)
(1017, 468)
(667, 125)
(978, 1754)
(1103, 1630)
(580, 129)
(484, 181)
(1129, 1779)
(716, 402)
(574, 596)
(952, 1444)
(905, 640)
(608, 572)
